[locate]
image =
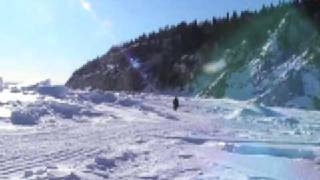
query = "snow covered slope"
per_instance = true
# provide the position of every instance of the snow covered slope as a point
(282, 71)
(106, 135)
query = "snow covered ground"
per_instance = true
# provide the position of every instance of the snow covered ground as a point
(50, 132)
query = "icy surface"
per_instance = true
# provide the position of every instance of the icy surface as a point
(54, 91)
(57, 133)
(239, 86)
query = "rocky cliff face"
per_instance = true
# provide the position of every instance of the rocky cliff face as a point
(272, 58)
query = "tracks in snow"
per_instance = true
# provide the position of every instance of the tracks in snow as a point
(19, 164)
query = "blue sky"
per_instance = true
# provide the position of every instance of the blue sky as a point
(42, 39)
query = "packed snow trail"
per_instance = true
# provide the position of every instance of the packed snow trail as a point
(96, 135)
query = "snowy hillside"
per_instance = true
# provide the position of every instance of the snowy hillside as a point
(282, 71)
(51, 132)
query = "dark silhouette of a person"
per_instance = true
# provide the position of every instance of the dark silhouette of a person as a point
(175, 103)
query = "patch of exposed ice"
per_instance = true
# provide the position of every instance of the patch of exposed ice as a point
(53, 91)
(128, 102)
(98, 97)
(264, 149)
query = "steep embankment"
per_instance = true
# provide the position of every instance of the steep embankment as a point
(283, 71)
(270, 56)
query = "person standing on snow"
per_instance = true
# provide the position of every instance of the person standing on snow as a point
(175, 103)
